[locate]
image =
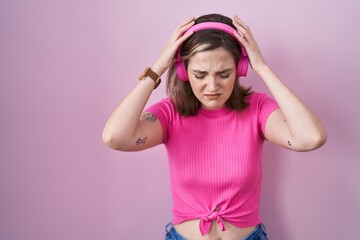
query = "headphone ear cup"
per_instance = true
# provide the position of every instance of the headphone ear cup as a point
(181, 71)
(242, 66)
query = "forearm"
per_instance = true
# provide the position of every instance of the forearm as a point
(304, 126)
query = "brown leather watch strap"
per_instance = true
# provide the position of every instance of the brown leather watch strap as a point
(150, 73)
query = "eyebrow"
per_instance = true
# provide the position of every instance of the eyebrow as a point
(219, 72)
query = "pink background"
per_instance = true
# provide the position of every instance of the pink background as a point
(65, 65)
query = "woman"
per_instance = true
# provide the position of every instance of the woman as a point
(212, 127)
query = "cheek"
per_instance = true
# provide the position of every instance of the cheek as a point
(196, 86)
(229, 84)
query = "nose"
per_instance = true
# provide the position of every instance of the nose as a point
(212, 85)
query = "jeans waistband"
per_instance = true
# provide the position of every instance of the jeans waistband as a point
(258, 233)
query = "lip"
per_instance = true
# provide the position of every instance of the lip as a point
(212, 96)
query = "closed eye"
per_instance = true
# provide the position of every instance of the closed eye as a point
(224, 76)
(199, 77)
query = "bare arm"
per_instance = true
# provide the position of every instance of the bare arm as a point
(294, 126)
(125, 129)
(128, 128)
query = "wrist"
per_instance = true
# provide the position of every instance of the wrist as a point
(150, 73)
(262, 69)
(159, 67)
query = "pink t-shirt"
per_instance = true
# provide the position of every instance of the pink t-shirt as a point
(215, 161)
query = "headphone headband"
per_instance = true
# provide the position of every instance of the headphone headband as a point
(218, 26)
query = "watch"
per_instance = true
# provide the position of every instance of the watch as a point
(148, 72)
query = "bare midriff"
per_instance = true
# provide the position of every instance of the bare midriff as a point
(190, 230)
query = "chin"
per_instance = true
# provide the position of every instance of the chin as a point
(212, 106)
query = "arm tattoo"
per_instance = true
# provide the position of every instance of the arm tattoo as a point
(149, 117)
(141, 141)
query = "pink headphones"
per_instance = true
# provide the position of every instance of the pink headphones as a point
(242, 65)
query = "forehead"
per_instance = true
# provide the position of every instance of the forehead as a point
(215, 59)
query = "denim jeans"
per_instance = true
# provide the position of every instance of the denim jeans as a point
(172, 234)
(259, 233)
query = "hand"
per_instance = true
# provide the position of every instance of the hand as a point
(167, 56)
(246, 38)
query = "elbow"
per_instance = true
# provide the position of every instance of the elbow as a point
(323, 139)
(114, 143)
(109, 141)
(319, 140)
(315, 141)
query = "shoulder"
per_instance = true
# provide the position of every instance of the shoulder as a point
(261, 103)
(256, 97)
(164, 110)
(165, 104)
(256, 100)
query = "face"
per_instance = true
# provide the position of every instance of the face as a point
(212, 77)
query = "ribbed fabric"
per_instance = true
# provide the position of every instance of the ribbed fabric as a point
(215, 161)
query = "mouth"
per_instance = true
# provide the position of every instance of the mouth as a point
(212, 96)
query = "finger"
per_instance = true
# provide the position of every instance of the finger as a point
(184, 28)
(241, 22)
(183, 38)
(187, 21)
(240, 30)
(181, 29)
(242, 27)
(185, 25)
(241, 39)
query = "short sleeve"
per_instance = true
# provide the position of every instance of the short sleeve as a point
(164, 111)
(265, 106)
